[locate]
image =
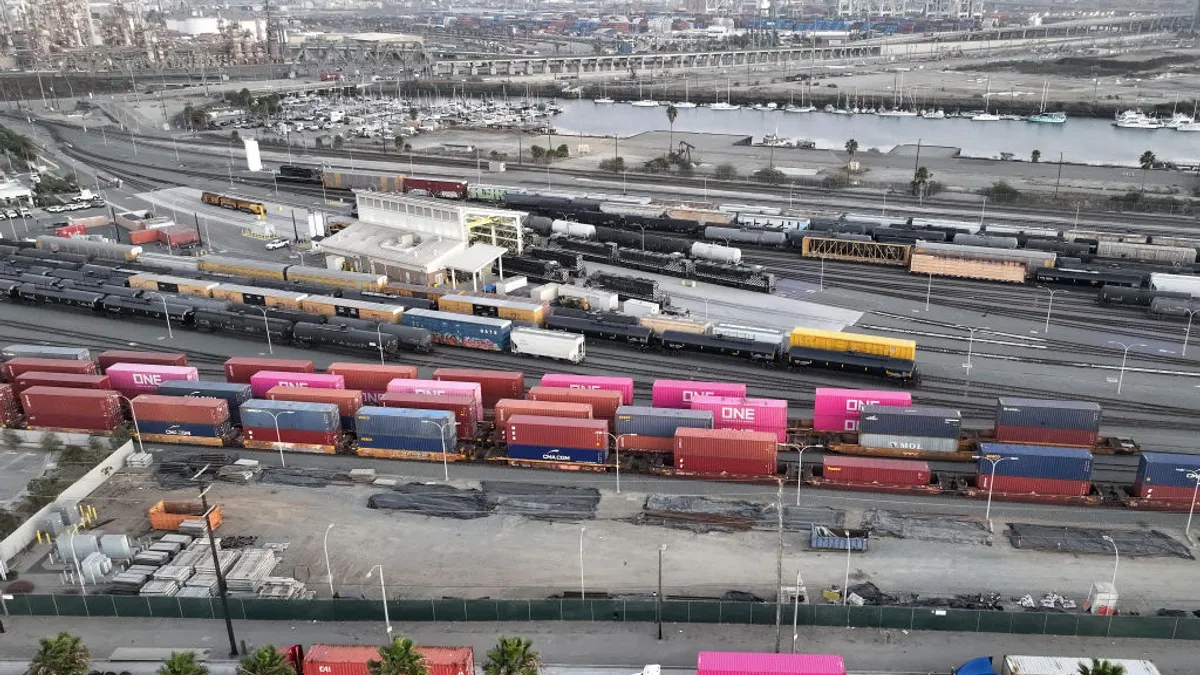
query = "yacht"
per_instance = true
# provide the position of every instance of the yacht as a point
(1178, 119)
(1134, 119)
(724, 105)
(985, 117)
(1188, 126)
(645, 103)
(938, 114)
(896, 113)
(603, 100)
(1048, 118)
(685, 103)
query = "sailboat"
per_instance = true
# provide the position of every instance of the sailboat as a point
(726, 105)
(685, 103)
(986, 116)
(644, 102)
(604, 96)
(1043, 117)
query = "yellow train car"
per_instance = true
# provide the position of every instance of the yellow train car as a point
(857, 343)
(167, 284)
(414, 291)
(352, 309)
(660, 324)
(355, 281)
(234, 203)
(528, 312)
(362, 180)
(259, 297)
(255, 269)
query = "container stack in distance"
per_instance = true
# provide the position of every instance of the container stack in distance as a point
(72, 409)
(604, 402)
(204, 421)
(348, 401)
(749, 414)
(470, 390)
(680, 393)
(232, 393)
(839, 410)
(910, 428)
(1036, 469)
(493, 384)
(1048, 422)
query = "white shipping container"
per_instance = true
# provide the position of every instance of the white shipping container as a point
(551, 344)
(894, 442)
(1176, 283)
(511, 284)
(640, 308)
(544, 293)
(597, 300)
(1068, 665)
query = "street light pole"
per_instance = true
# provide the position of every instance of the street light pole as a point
(617, 446)
(800, 470)
(1050, 307)
(582, 586)
(378, 339)
(328, 568)
(995, 460)
(1124, 358)
(387, 620)
(1116, 559)
(166, 313)
(222, 588)
(137, 431)
(658, 598)
(1194, 476)
(278, 442)
(445, 457)
(1187, 333)
(267, 328)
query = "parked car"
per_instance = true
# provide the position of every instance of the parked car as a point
(276, 244)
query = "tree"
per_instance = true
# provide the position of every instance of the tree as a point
(266, 660)
(1147, 161)
(851, 151)
(771, 176)
(398, 658)
(563, 151)
(512, 656)
(51, 442)
(182, 663)
(613, 165)
(12, 440)
(338, 142)
(538, 152)
(725, 171)
(399, 140)
(920, 178)
(1035, 156)
(672, 113)
(1101, 667)
(63, 654)
(412, 113)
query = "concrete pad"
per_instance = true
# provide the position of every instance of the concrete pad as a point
(17, 468)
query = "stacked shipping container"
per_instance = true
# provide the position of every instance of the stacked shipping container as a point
(132, 379)
(1167, 477)
(433, 388)
(265, 380)
(10, 408)
(604, 402)
(725, 452)
(303, 426)
(108, 358)
(14, 367)
(493, 384)
(165, 419)
(352, 660)
(679, 393)
(241, 368)
(463, 408)
(1028, 420)
(506, 408)
(232, 393)
(72, 409)
(653, 429)
(873, 471)
(1035, 469)
(910, 428)
(839, 409)
(395, 432)
(557, 439)
(751, 414)
(371, 380)
(567, 381)
(348, 401)
(35, 378)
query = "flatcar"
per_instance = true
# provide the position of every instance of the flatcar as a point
(756, 350)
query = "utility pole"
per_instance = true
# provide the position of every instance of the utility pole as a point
(1058, 180)
(779, 566)
(221, 587)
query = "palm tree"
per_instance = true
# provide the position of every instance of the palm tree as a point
(920, 178)
(63, 654)
(672, 113)
(398, 658)
(266, 660)
(1035, 156)
(182, 663)
(851, 150)
(1147, 161)
(1101, 667)
(512, 656)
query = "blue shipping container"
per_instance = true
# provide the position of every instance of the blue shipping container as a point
(1163, 468)
(1038, 461)
(180, 429)
(293, 415)
(392, 442)
(461, 330)
(231, 392)
(436, 425)
(548, 454)
(659, 422)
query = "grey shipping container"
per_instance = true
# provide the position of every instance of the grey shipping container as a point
(42, 352)
(1047, 414)
(910, 421)
(927, 443)
(407, 422)
(291, 415)
(659, 422)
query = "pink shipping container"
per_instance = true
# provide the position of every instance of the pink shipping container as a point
(751, 663)
(132, 379)
(837, 409)
(679, 393)
(264, 380)
(754, 414)
(621, 384)
(440, 388)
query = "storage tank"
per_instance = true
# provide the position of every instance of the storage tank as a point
(717, 252)
(573, 229)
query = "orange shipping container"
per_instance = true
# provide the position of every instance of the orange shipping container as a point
(181, 409)
(352, 660)
(508, 407)
(170, 515)
(140, 237)
(14, 367)
(348, 401)
(604, 402)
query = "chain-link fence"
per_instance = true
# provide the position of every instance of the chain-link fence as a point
(644, 610)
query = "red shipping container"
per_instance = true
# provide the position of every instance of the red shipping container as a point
(36, 378)
(179, 235)
(553, 432)
(571, 381)
(348, 401)
(62, 408)
(291, 436)
(506, 408)
(70, 231)
(262, 381)
(139, 237)
(1038, 486)
(371, 380)
(241, 368)
(10, 410)
(181, 409)
(1165, 493)
(875, 471)
(1043, 436)
(604, 402)
(352, 660)
(493, 384)
(14, 367)
(725, 451)
(647, 443)
(466, 413)
(114, 356)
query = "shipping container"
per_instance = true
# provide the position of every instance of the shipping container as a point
(132, 379)
(533, 313)
(291, 415)
(839, 409)
(1046, 436)
(1008, 271)
(201, 288)
(82, 409)
(264, 380)
(34, 378)
(352, 660)
(241, 368)
(725, 452)
(657, 422)
(506, 408)
(1048, 414)
(557, 432)
(243, 267)
(911, 421)
(874, 471)
(358, 281)
(43, 352)
(232, 393)
(300, 440)
(750, 663)
(1167, 470)
(679, 393)
(190, 410)
(896, 442)
(348, 401)
(10, 408)
(557, 453)
(15, 367)
(754, 414)
(624, 385)
(406, 429)
(464, 408)
(604, 402)
(170, 515)
(460, 330)
(842, 342)
(1034, 486)
(1069, 665)
(1166, 493)
(184, 430)
(440, 388)
(1037, 461)
(114, 356)
(371, 379)
(494, 385)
